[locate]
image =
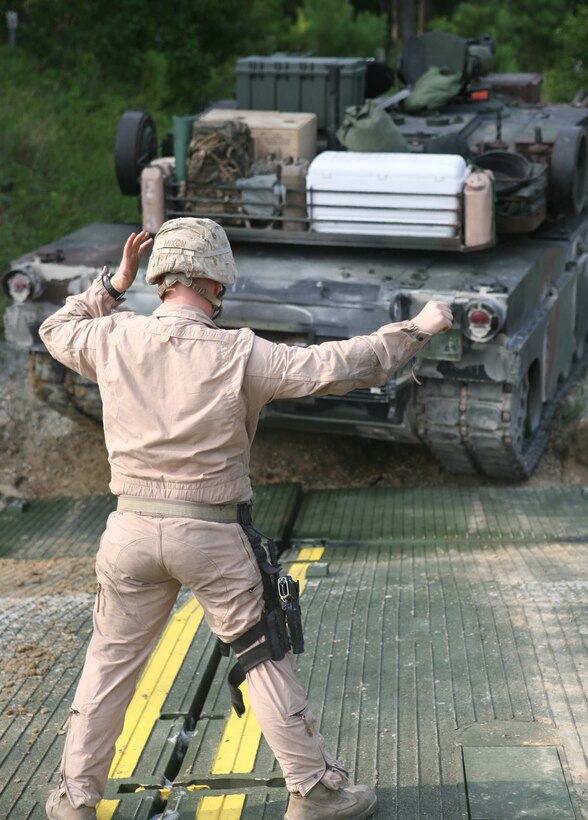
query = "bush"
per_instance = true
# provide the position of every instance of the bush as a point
(57, 170)
(332, 28)
(570, 71)
(175, 58)
(523, 33)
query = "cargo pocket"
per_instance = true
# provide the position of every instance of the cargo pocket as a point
(253, 571)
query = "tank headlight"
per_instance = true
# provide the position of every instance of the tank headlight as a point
(22, 284)
(482, 320)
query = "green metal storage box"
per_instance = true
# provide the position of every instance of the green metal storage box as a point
(283, 83)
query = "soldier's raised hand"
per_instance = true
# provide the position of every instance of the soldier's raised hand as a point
(135, 246)
(435, 317)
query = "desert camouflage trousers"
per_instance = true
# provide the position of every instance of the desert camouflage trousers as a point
(142, 562)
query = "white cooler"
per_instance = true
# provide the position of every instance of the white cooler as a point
(386, 194)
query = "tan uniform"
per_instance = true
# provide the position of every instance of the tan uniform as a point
(181, 404)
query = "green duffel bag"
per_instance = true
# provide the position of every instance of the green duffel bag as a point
(432, 90)
(367, 128)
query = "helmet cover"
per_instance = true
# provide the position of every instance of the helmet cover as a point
(198, 248)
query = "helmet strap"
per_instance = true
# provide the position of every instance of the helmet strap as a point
(214, 300)
(171, 279)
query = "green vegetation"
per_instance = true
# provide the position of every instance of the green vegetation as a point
(570, 71)
(572, 408)
(327, 27)
(523, 32)
(56, 148)
(530, 35)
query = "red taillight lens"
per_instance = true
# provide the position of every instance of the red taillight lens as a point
(480, 317)
(482, 320)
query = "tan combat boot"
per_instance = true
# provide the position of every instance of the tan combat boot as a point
(58, 807)
(352, 803)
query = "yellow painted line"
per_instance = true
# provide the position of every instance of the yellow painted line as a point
(238, 746)
(154, 685)
(298, 572)
(105, 809)
(306, 556)
(225, 807)
(310, 554)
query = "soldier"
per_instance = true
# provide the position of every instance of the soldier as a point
(181, 402)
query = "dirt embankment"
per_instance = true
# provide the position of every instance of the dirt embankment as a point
(45, 454)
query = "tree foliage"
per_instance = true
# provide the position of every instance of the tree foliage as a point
(523, 32)
(569, 70)
(182, 56)
(327, 27)
(181, 53)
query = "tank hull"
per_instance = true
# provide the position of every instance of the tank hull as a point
(479, 405)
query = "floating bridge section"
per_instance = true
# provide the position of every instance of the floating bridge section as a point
(446, 658)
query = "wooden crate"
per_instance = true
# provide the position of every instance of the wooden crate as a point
(281, 134)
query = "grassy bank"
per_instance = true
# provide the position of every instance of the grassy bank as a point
(56, 154)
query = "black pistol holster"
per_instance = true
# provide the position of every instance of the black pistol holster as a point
(280, 624)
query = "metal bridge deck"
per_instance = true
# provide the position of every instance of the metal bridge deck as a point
(446, 659)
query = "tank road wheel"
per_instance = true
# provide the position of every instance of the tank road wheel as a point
(135, 147)
(63, 390)
(568, 172)
(497, 429)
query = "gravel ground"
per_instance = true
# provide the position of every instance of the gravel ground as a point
(45, 454)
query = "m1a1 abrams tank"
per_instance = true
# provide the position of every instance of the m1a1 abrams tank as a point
(471, 191)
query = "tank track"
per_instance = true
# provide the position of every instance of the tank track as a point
(479, 427)
(63, 390)
(472, 427)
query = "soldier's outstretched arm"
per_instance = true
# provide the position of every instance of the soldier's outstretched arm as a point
(282, 371)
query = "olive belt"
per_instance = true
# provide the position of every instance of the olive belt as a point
(219, 513)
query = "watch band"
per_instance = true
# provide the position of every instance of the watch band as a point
(116, 294)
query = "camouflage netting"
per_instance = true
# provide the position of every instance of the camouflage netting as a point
(218, 155)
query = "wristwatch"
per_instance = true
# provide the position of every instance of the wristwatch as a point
(116, 294)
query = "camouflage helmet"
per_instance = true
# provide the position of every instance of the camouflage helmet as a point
(197, 248)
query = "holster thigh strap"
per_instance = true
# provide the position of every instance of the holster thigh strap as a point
(258, 654)
(248, 659)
